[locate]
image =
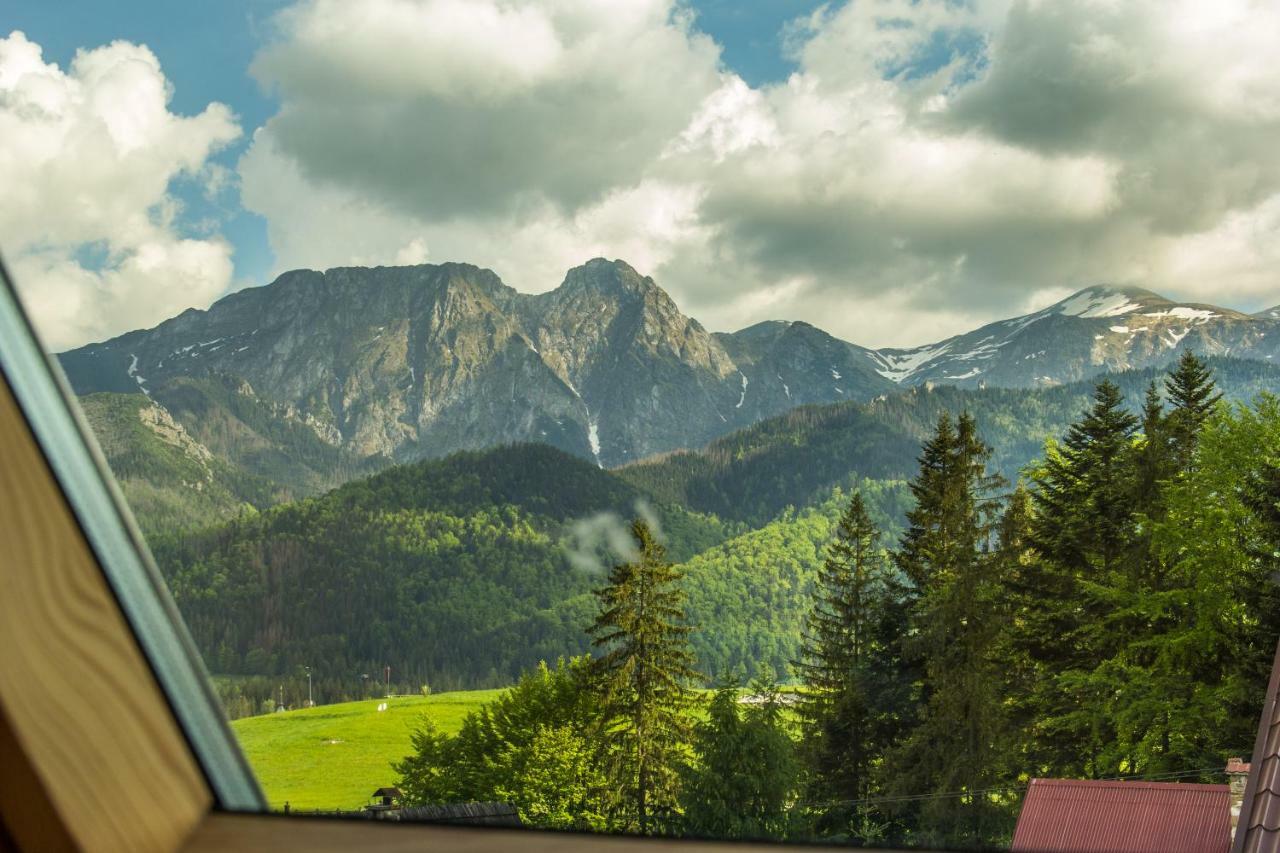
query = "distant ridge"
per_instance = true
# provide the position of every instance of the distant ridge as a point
(395, 364)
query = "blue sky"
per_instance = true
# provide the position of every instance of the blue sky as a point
(899, 171)
(206, 49)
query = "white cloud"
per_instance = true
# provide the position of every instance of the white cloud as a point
(928, 166)
(439, 109)
(86, 159)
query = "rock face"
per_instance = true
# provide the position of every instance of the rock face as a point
(402, 363)
(413, 362)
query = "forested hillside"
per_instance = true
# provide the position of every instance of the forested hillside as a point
(796, 458)
(463, 571)
(170, 480)
(451, 572)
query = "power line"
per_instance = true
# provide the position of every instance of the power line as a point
(907, 798)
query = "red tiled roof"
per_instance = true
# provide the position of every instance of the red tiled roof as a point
(1086, 816)
(1259, 827)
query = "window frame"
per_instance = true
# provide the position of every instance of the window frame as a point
(44, 397)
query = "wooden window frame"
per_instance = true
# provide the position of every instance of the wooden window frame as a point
(110, 735)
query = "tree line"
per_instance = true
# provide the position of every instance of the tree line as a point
(1111, 614)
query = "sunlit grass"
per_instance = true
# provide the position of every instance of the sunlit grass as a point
(335, 756)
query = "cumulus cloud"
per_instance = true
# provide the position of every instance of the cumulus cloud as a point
(87, 156)
(929, 164)
(442, 108)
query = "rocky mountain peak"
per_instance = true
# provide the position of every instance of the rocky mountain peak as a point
(616, 280)
(406, 362)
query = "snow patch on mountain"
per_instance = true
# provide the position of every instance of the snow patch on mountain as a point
(1097, 302)
(137, 377)
(593, 436)
(743, 398)
(1183, 312)
(902, 364)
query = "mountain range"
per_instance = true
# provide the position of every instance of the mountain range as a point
(446, 537)
(321, 376)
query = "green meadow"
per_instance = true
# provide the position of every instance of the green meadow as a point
(335, 756)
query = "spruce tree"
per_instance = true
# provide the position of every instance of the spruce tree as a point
(849, 663)
(1151, 621)
(1192, 396)
(1084, 533)
(642, 679)
(1019, 581)
(954, 629)
(1153, 462)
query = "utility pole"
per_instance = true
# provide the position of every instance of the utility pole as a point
(310, 702)
(388, 683)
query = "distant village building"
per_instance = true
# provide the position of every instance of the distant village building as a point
(474, 814)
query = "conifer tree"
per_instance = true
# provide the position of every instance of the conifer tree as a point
(1153, 462)
(1153, 617)
(642, 678)
(850, 664)
(1019, 578)
(946, 552)
(743, 779)
(1083, 531)
(1193, 396)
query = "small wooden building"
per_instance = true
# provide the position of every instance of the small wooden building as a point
(387, 798)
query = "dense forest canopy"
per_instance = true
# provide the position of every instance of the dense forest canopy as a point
(465, 571)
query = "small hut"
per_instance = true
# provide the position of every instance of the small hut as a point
(386, 799)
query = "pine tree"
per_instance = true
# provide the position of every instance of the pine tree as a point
(850, 665)
(1193, 396)
(954, 631)
(642, 679)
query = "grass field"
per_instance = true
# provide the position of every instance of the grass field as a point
(335, 756)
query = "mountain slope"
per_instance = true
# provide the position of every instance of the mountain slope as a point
(169, 478)
(1096, 330)
(417, 362)
(783, 365)
(452, 571)
(794, 459)
(396, 364)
